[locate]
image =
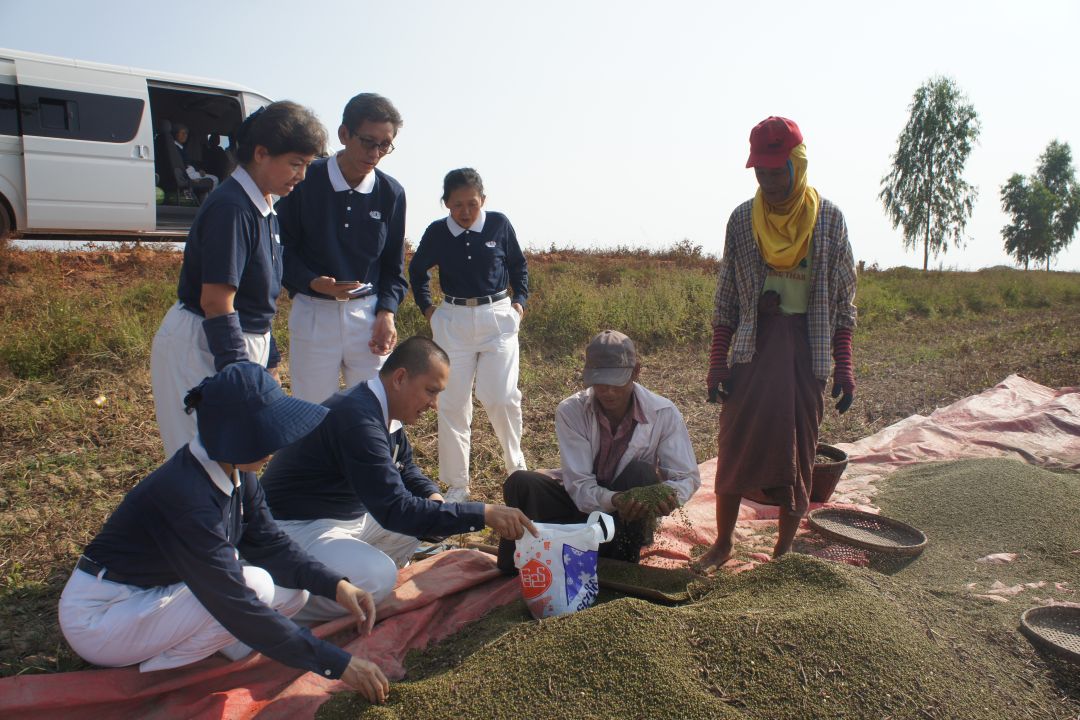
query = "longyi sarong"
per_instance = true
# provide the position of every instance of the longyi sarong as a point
(769, 425)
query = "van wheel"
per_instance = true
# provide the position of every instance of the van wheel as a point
(7, 227)
(7, 224)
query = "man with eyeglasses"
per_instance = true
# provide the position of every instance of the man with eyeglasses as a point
(343, 231)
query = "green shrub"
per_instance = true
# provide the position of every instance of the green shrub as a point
(55, 334)
(660, 299)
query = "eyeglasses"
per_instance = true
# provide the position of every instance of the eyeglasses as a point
(369, 144)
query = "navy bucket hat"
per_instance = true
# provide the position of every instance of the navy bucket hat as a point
(243, 415)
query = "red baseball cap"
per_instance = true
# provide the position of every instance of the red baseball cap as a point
(771, 142)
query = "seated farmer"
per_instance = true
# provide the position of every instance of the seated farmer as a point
(350, 494)
(192, 563)
(613, 436)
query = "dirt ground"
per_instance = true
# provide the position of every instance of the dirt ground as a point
(65, 461)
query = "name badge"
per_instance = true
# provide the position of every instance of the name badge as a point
(375, 215)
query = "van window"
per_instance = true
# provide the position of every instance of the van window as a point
(49, 112)
(9, 110)
(55, 114)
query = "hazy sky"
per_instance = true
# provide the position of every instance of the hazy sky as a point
(602, 124)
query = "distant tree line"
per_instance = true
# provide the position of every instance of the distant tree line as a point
(926, 194)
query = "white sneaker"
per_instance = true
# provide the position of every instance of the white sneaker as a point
(457, 495)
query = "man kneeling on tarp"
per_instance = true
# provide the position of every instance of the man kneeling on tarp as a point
(613, 436)
(350, 494)
(192, 563)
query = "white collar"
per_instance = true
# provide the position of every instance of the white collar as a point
(456, 229)
(376, 386)
(212, 468)
(340, 184)
(179, 144)
(253, 192)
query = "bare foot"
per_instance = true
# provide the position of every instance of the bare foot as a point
(714, 557)
(778, 551)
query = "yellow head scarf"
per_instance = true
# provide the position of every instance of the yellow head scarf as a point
(783, 231)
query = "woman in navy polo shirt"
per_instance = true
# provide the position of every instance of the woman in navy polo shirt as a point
(485, 282)
(231, 275)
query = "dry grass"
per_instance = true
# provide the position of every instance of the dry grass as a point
(65, 461)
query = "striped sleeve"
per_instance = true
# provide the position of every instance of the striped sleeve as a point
(844, 312)
(726, 299)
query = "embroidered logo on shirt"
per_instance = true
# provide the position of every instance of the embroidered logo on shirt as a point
(375, 215)
(491, 243)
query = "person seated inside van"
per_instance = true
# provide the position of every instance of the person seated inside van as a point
(215, 159)
(198, 177)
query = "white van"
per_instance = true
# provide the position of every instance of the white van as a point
(86, 148)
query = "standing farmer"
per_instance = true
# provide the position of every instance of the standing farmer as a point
(784, 296)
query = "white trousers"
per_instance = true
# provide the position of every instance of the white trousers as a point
(114, 625)
(361, 550)
(179, 360)
(194, 174)
(326, 339)
(482, 343)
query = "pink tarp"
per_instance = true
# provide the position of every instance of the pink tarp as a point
(436, 597)
(1017, 418)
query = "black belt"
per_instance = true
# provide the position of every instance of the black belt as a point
(473, 302)
(89, 566)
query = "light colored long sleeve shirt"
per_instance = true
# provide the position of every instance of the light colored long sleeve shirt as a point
(661, 441)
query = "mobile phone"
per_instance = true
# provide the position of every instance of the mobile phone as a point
(346, 282)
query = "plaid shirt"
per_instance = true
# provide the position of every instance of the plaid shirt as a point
(832, 285)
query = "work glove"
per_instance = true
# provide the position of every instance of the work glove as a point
(843, 371)
(719, 377)
(225, 339)
(273, 359)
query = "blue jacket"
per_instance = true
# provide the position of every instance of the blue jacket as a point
(352, 464)
(177, 525)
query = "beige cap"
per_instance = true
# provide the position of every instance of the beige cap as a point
(610, 359)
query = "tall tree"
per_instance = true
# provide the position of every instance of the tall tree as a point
(1045, 208)
(1056, 172)
(1029, 235)
(925, 192)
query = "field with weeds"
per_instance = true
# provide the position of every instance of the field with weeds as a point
(77, 423)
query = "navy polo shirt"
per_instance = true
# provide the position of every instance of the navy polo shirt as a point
(345, 234)
(475, 262)
(352, 464)
(234, 241)
(180, 525)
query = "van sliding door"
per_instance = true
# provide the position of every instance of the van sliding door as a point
(87, 142)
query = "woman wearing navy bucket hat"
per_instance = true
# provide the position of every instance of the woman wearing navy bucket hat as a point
(192, 563)
(784, 301)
